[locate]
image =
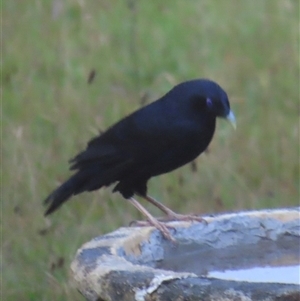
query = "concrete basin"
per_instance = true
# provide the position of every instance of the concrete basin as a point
(250, 255)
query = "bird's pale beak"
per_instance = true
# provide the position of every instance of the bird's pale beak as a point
(231, 118)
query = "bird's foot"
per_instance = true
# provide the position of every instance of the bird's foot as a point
(152, 221)
(161, 226)
(173, 216)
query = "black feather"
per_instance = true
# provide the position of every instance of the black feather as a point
(156, 139)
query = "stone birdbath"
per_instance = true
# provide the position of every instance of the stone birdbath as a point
(248, 256)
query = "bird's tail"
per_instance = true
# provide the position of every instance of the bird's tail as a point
(89, 178)
(65, 191)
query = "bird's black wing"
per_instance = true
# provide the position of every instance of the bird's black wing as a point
(153, 140)
(149, 135)
(114, 155)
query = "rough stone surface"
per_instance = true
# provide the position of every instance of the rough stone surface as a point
(123, 265)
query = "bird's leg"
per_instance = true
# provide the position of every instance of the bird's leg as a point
(152, 220)
(171, 214)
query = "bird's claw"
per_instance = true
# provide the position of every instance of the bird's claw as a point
(161, 226)
(189, 218)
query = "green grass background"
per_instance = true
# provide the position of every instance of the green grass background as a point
(139, 50)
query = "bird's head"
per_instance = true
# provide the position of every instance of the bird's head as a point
(216, 101)
(221, 109)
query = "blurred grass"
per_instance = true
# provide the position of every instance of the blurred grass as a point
(139, 50)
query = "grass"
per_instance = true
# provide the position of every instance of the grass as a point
(139, 50)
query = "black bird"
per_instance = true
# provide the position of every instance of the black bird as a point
(153, 140)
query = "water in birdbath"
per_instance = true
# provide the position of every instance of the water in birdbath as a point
(267, 261)
(278, 274)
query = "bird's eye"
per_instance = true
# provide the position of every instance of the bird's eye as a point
(209, 102)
